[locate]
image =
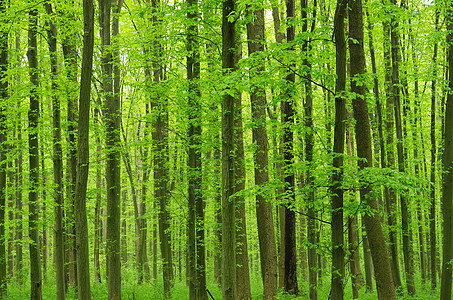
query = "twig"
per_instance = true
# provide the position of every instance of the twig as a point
(207, 290)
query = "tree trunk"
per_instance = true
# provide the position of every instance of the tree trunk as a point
(57, 159)
(338, 269)
(112, 120)
(242, 258)
(432, 210)
(390, 196)
(33, 117)
(71, 65)
(405, 215)
(124, 200)
(265, 224)
(97, 207)
(229, 49)
(83, 267)
(196, 255)
(376, 238)
(18, 181)
(161, 178)
(3, 105)
(447, 177)
(288, 114)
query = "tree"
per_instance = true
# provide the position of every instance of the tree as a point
(112, 121)
(33, 119)
(228, 181)
(266, 235)
(57, 156)
(338, 270)
(287, 113)
(447, 177)
(379, 251)
(160, 140)
(83, 269)
(196, 255)
(405, 215)
(3, 105)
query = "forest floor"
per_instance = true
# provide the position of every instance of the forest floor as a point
(153, 290)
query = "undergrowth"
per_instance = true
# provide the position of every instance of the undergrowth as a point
(153, 289)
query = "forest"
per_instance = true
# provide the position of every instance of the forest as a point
(234, 149)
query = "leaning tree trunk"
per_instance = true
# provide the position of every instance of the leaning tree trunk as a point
(266, 235)
(33, 119)
(338, 266)
(83, 260)
(378, 245)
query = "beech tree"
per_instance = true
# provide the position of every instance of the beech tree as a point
(3, 100)
(228, 181)
(83, 270)
(170, 93)
(33, 117)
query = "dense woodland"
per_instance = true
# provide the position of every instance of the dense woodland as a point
(233, 149)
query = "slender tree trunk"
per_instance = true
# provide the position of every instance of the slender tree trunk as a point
(19, 181)
(447, 177)
(57, 159)
(112, 120)
(242, 257)
(312, 231)
(97, 207)
(376, 238)
(143, 232)
(288, 113)
(390, 196)
(83, 269)
(124, 200)
(265, 224)
(140, 245)
(218, 214)
(33, 117)
(70, 57)
(161, 178)
(405, 215)
(432, 210)
(279, 37)
(3, 105)
(338, 269)
(197, 275)
(43, 209)
(229, 49)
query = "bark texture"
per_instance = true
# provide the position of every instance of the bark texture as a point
(266, 234)
(228, 181)
(57, 158)
(33, 119)
(83, 155)
(338, 269)
(3, 105)
(378, 246)
(287, 115)
(447, 177)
